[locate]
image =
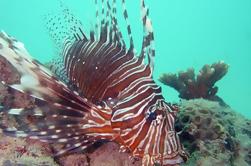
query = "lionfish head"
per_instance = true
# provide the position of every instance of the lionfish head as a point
(166, 148)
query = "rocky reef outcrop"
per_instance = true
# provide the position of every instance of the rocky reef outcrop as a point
(214, 134)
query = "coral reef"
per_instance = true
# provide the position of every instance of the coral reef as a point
(190, 86)
(214, 134)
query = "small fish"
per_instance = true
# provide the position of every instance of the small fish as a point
(102, 90)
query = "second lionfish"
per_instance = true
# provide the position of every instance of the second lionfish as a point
(102, 90)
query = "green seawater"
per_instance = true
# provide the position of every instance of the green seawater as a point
(188, 33)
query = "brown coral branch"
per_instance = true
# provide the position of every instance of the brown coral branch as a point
(190, 86)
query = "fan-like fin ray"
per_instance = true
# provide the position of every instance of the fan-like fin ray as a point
(59, 115)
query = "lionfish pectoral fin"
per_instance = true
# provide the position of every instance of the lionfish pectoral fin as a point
(74, 146)
(58, 114)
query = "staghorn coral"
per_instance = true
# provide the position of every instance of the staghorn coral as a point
(190, 86)
(213, 134)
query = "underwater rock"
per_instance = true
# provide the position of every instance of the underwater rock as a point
(109, 155)
(74, 160)
(213, 134)
(105, 155)
(190, 86)
(17, 151)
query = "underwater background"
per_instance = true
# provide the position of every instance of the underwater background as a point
(188, 33)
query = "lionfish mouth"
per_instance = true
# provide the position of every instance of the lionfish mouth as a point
(180, 158)
(173, 159)
(176, 160)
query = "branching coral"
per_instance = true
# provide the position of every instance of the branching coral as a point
(190, 86)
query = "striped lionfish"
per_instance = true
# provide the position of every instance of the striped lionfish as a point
(101, 91)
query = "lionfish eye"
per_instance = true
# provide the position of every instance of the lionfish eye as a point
(152, 116)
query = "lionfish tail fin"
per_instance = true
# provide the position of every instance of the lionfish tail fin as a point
(59, 115)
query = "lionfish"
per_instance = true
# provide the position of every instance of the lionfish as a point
(102, 90)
